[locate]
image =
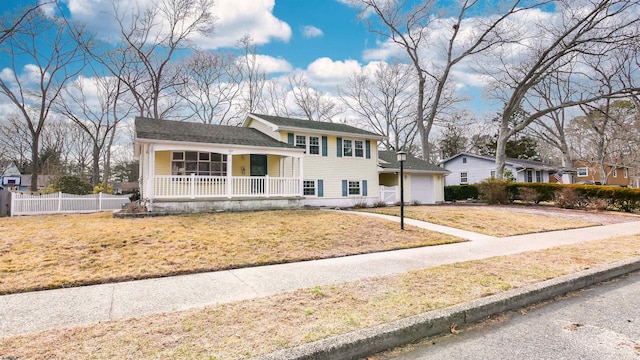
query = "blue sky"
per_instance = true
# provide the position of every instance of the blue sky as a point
(322, 39)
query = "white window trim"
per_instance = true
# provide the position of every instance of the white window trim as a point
(625, 173)
(615, 172)
(359, 182)
(315, 187)
(353, 149)
(307, 143)
(466, 177)
(223, 162)
(586, 171)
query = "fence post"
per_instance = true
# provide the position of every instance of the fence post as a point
(100, 201)
(12, 202)
(59, 201)
(192, 185)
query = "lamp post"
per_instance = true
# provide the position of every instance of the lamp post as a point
(402, 157)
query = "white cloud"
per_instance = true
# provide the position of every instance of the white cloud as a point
(326, 69)
(310, 31)
(270, 64)
(234, 20)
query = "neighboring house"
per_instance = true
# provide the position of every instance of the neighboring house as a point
(9, 175)
(468, 168)
(423, 182)
(269, 162)
(589, 172)
(43, 182)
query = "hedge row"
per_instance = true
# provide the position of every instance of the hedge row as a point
(564, 195)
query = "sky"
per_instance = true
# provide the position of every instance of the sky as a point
(323, 39)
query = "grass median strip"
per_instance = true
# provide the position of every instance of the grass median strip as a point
(498, 223)
(46, 252)
(249, 328)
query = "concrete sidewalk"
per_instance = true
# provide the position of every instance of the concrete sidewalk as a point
(42, 310)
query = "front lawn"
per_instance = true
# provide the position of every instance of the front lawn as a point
(492, 222)
(41, 252)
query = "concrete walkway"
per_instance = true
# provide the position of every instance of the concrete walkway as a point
(42, 310)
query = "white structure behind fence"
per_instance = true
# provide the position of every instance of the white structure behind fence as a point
(26, 204)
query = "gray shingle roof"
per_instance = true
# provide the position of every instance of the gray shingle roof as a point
(153, 129)
(412, 163)
(523, 163)
(315, 125)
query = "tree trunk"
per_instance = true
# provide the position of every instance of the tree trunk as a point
(95, 168)
(35, 161)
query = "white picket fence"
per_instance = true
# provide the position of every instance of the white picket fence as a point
(27, 204)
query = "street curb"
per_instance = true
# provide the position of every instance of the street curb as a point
(361, 343)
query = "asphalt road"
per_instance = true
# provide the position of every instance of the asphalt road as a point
(600, 322)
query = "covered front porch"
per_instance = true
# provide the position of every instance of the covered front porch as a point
(172, 172)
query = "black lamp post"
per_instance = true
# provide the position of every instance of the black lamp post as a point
(402, 157)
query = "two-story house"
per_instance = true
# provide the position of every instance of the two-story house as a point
(269, 162)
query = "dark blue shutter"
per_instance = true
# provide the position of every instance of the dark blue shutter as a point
(345, 188)
(364, 187)
(290, 138)
(368, 148)
(320, 188)
(324, 146)
(339, 147)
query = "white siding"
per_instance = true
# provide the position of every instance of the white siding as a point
(476, 169)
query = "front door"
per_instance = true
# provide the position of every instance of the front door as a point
(258, 167)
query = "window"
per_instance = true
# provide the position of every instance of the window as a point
(301, 142)
(347, 149)
(625, 173)
(583, 171)
(314, 145)
(538, 176)
(529, 175)
(198, 163)
(493, 174)
(309, 187)
(464, 160)
(354, 187)
(352, 148)
(464, 178)
(615, 173)
(359, 148)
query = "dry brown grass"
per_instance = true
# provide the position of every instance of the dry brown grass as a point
(42, 252)
(492, 222)
(249, 328)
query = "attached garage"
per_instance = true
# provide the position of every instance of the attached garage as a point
(423, 182)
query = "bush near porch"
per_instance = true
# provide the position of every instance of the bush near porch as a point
(572, 196)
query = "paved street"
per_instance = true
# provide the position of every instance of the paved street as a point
(598, 323)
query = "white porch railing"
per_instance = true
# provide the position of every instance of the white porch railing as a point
(193, 186)
(26, 204)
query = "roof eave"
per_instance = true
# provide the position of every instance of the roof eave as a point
(232, 146)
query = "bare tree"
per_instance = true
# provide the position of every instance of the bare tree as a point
(96, 106)
(311, 103)
(12, 24)
(15, 140)
(253, 78)
(150, 39)
(275, 98)
(386, 101)
(53, 58)
(411, 28)
(583, 32)
(211, 87)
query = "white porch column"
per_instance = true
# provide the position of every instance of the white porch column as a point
(229, 177)
(301, 186)
(151, 177)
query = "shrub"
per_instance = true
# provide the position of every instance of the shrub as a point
(360, 203)
(379, 204)
(598, 204)
(415, 203)
(460, 192)
(134, 208)
(72, 185)
(528, 195)
(494, 191)
(567, 198)
(100, 187)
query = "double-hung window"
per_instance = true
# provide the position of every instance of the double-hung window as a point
(583, 171)
(352, 148)
(354, 187)
(301, 141)
(309, 188)
(359, 148)
(314, 145)
(347, 148)
(464, 179)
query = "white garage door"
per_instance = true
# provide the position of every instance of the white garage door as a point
(422, 189)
